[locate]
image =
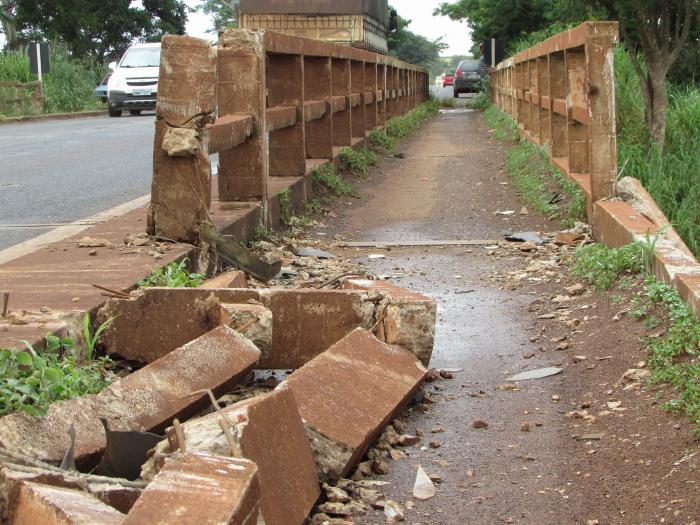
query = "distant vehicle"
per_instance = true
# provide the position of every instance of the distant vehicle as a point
(469, 76)
(101, 89)
(448, 79)
(133, 85)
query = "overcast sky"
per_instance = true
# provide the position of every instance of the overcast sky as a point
(420, 12)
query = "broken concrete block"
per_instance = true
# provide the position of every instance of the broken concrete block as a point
(407, 318)
(253, 321)
(156, 321)
(348, 394)
(231, 279)
(198, 489)
(146, 400)
(37, 503)
(308, 321)
(267, 430)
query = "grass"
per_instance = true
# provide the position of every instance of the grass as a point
(30, 380)
(174, 275)
(538, 182)
(602, 266)
(357, 162)
(325, 177)
(69, 86)
(286, 212)
(380, 140)
(671, 178)
(405, 125)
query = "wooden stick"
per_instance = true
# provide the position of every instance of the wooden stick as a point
(113, 292)
(5, 301)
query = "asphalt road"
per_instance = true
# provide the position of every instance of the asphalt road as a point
(64, 170)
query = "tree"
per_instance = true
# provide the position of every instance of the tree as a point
(226, 12)
(100, 29)
(7, 23)
(413, 48)
(658, 30)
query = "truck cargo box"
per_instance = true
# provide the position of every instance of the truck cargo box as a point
(360, 23)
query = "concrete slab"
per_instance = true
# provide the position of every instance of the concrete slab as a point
(49, 505)
(269, 431)
(197, 489)
(146, 400)
(348, 394)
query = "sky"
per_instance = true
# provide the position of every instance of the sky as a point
(420, 12)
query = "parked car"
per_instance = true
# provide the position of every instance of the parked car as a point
(448, 79)
(133, 85)
(469, 76)
(101, 89)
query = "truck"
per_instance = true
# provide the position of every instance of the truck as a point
(359, 23)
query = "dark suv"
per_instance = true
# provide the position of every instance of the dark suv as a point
(469, 76)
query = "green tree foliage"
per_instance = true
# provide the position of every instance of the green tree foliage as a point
(224, 12)
(102, 29)
(413, 48)
(8, 27)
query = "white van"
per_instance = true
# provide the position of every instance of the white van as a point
(133, 85)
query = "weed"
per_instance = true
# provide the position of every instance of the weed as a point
(647, 248)
(90, 338)
(326, 177)
(501, 125)
(405, 125)
(262, 230)
(174, 275)
(602, 266)
(448, 102)
(32, 379)
(286, 211)
(674, 357)
(357, 162)
(380, 140)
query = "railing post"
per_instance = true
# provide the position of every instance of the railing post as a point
(370, 95)
(544, 100)
(557, 90)
(600, 70)
(243, 170)
(181, 186)
(342, 125)
(317, 88)
(577, 97)
(381, 94)
(285, 87)
(357, 80)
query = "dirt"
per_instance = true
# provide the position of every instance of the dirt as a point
(528, 465)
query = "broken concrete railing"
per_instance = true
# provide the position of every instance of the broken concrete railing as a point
(146, 400)
(154, 321)
(272, 106)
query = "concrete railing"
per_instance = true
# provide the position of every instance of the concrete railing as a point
(562, 94)
(272, 106)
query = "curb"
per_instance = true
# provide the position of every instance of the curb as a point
(54, 116)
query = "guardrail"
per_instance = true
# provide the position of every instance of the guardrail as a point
(562, 94)
(272, 105)
(36, 99)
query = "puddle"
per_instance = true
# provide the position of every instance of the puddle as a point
(456, 110)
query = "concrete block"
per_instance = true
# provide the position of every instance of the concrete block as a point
(267, 430)
(146, 400)
(197, 489)
(670, 260)
(348, 394)
(616, 223)
(297, 336)
(688, 286)
(231, 279)
(253, 321)
(47, 505)
(156, 321)
(408, 318)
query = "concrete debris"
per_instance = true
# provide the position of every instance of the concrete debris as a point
(93, 242)
(331, 390)
(313, 252)
(423, 488)
(635, 375)
(393, 511)
(531, 237)
(146, 400)
(230, 279)
(251, 429)
(540, 373)
(181, 142)
(480, 423)
(198, 489)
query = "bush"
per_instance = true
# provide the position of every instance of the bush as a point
(381, 140)
(357, 162)
(174, 275)
(602, 266)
